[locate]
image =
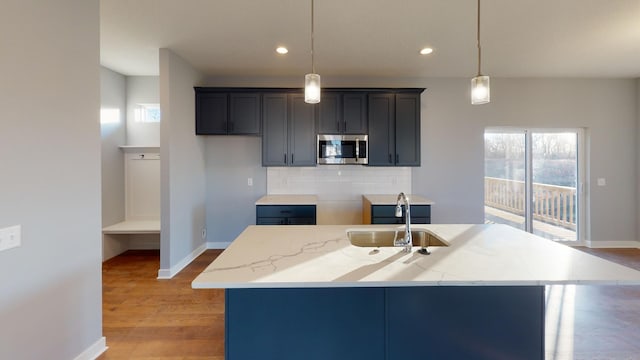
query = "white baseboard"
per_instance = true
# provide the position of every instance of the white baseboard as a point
(218, 245)
(613, 244)
(93, 351)
(165, 274)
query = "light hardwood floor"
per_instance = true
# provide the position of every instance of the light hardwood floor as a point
(146, 318)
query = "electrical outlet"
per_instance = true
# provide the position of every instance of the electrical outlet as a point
(250, 181)
(204, 233)
(10, 237)
(602, 182)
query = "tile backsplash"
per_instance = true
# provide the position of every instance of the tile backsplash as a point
(339, 188)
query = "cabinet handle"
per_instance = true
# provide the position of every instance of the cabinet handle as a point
(292, 158)
(390, 159)
(285, 158)
(344, 126)
(397, 158)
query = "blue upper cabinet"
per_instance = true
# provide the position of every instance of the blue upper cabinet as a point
(220, 112)
(342, 112)
(407, 129)
(211, 113)
(275, 145)
(394, 128)
(289, 130)
(288, 125)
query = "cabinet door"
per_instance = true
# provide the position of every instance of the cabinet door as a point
(244, 113)
(381, 129)
(302, 132)
(407, 147)
(465, 322)
(274, 130)
(354, 113)
(211, 114)
(307, 323)
(329, 114)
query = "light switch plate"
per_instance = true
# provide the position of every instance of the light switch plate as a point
(10, 237)
(602, 182)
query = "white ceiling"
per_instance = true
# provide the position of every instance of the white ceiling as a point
(376, 38)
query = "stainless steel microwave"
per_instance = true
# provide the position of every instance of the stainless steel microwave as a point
(343, 149)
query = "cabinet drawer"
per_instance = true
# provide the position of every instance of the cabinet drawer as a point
(420, 220)
(286, 211)
(301, 221)
(400, 221)
(423, 211)
(271, 221)
(387, 220)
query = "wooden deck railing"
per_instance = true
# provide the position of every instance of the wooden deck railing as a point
(551, 204)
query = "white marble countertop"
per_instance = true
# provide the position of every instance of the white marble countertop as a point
(384, 199)
(288, 200)
(322, 256)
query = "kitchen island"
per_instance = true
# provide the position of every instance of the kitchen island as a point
(305, 292)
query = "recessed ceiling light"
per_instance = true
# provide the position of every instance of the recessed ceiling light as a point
(282, 50)
(426, 51)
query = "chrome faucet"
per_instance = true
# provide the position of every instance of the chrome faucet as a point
(407, 241)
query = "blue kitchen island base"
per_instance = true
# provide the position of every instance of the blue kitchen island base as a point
(431, 322)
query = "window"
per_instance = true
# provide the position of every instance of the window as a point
(109, 116)
(147, 113)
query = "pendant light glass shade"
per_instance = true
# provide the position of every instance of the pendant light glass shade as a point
(312, 80)
(480, 90)
(312, 88)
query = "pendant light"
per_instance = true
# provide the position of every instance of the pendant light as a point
(312, 80)
(480, 90)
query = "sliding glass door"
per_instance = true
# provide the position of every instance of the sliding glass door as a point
(504, 178)
(532, 178)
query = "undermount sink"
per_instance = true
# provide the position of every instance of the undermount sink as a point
(385, 238)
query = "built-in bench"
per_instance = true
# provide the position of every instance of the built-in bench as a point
(130, 234)
(141, 226)
(134, 227)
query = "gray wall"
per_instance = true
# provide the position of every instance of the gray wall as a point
(182, 163)
(452, 151)
(50, 297)
(638, 159)
(142, 90)
(230, 161)
(112, 96)
(452, 168)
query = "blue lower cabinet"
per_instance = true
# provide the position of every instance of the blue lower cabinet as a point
(310, 324)
(386, 214)
(394, 323)
(465, 322)
(285, 214)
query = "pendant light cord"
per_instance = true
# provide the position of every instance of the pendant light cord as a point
(313, 69)
(478, 33)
